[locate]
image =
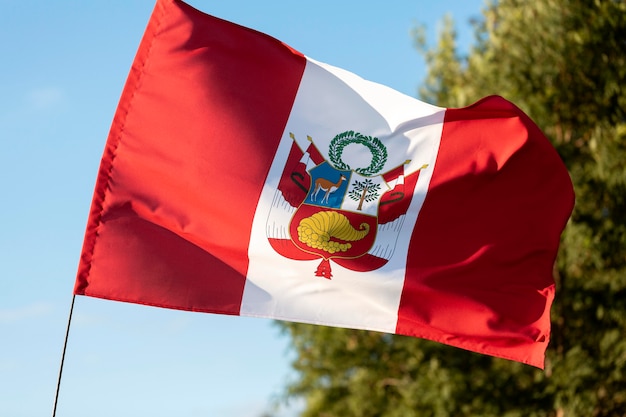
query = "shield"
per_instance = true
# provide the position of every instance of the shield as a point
(331, 212)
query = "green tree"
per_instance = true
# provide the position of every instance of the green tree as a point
(564, 63)
(364, 191)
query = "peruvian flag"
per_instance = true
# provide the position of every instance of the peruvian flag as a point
(241, 177)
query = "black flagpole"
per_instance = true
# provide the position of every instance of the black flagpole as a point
(67, 333)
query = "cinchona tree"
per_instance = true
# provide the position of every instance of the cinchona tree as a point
(564, 63)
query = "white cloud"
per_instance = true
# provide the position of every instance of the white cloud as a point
(24, 312)
(8, 365)
(178, 324)
(258, 408)
(45, 97)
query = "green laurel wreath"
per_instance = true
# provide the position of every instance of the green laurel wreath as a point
(376, 147)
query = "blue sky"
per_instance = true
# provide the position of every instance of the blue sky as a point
(63, 66)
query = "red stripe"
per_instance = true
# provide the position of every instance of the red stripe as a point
(479, 268)
(190, 147)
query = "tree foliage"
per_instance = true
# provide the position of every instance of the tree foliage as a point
(564, 63)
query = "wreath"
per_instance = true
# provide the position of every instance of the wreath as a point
(376, 147)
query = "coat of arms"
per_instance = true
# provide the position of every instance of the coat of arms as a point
(328, 210)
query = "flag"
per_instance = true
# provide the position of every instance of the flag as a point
(242, 177)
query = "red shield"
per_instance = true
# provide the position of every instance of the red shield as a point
(332, 234)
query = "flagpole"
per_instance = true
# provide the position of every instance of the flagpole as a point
(67, 333)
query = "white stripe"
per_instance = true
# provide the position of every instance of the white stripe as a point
(399, 180)
(330, 101)
(306, 160)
